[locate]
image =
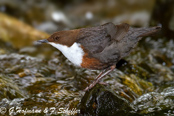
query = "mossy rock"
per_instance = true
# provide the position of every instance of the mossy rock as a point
(8, 89)
(100, 101)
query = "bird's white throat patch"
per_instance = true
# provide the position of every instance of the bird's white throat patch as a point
(74, 53)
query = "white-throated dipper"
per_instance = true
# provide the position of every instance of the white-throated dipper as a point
(100, 47)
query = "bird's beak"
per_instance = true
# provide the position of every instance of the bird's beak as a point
(43, 41)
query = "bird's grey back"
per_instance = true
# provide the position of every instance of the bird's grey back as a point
(95, 39)
(109, 43)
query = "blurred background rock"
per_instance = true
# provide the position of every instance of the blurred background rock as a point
(55, 15)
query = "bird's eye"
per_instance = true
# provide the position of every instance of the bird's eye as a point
(56, 38)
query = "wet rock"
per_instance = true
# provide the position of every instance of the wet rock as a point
(101, 101)
(8, 89)
(14, 63)
(139, 86)
(23, 69)
(135, 78)
(129, 68)
(156, 103)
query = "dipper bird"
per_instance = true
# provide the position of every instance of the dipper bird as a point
(100, 47)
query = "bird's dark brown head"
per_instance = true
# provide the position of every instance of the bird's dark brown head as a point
(64, 37)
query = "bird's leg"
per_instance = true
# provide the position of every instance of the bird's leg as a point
(100, 74)
(99, 77)
(107, 72)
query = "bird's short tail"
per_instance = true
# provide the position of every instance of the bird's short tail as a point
(149, 31)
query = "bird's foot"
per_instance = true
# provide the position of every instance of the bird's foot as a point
(99, 77)
(93, 84)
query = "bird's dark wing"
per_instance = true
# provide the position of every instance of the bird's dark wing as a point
(111, 54)
(95, 39)
(121, 31)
